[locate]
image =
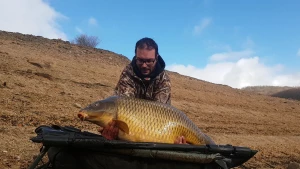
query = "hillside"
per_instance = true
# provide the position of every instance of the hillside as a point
(266, 90)
(276, 91)
(41, 80)
(293, 93)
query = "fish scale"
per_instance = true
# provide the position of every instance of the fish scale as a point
(146, 121)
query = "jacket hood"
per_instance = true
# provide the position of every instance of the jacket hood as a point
(159, 67)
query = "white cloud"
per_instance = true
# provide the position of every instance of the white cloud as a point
(203, 24)
(298, 53)
(231, 55)
(240, 73)
(92, 21)
(210, 73)
(34, 17)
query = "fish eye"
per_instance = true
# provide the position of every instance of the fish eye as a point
(94, 105)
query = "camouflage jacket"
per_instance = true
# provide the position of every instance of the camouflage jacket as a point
(131, 83)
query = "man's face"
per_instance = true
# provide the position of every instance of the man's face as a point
(145, 60)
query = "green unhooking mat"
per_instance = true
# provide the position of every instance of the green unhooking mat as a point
(70, 148)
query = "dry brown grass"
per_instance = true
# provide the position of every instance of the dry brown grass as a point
(41, 80)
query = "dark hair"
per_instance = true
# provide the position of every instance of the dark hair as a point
(147, 43)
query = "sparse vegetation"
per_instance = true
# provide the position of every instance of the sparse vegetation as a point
(293, 94)
(266, 90)
(286, 92)
(85, 40)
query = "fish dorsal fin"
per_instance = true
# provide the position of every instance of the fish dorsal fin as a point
(122, 126)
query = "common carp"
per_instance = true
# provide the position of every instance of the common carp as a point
(141, 120)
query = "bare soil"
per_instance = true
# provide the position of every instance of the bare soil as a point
(43, 81)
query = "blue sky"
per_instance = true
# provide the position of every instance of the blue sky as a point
(237, 43)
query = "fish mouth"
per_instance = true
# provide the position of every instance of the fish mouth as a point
(82, 116)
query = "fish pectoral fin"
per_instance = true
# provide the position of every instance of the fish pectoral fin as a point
(122, 126)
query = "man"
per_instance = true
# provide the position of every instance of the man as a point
(144, 78)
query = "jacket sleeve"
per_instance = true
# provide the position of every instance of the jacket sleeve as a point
(125, 85)
(163, 92)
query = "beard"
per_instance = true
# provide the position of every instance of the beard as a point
(145, 70)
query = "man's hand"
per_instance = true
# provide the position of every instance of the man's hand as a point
(110, 132)
(180, 140)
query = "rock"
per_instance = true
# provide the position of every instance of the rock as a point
(77, 105)
(45, 75)
(35, 64)
(293, 165)
(17, 158)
